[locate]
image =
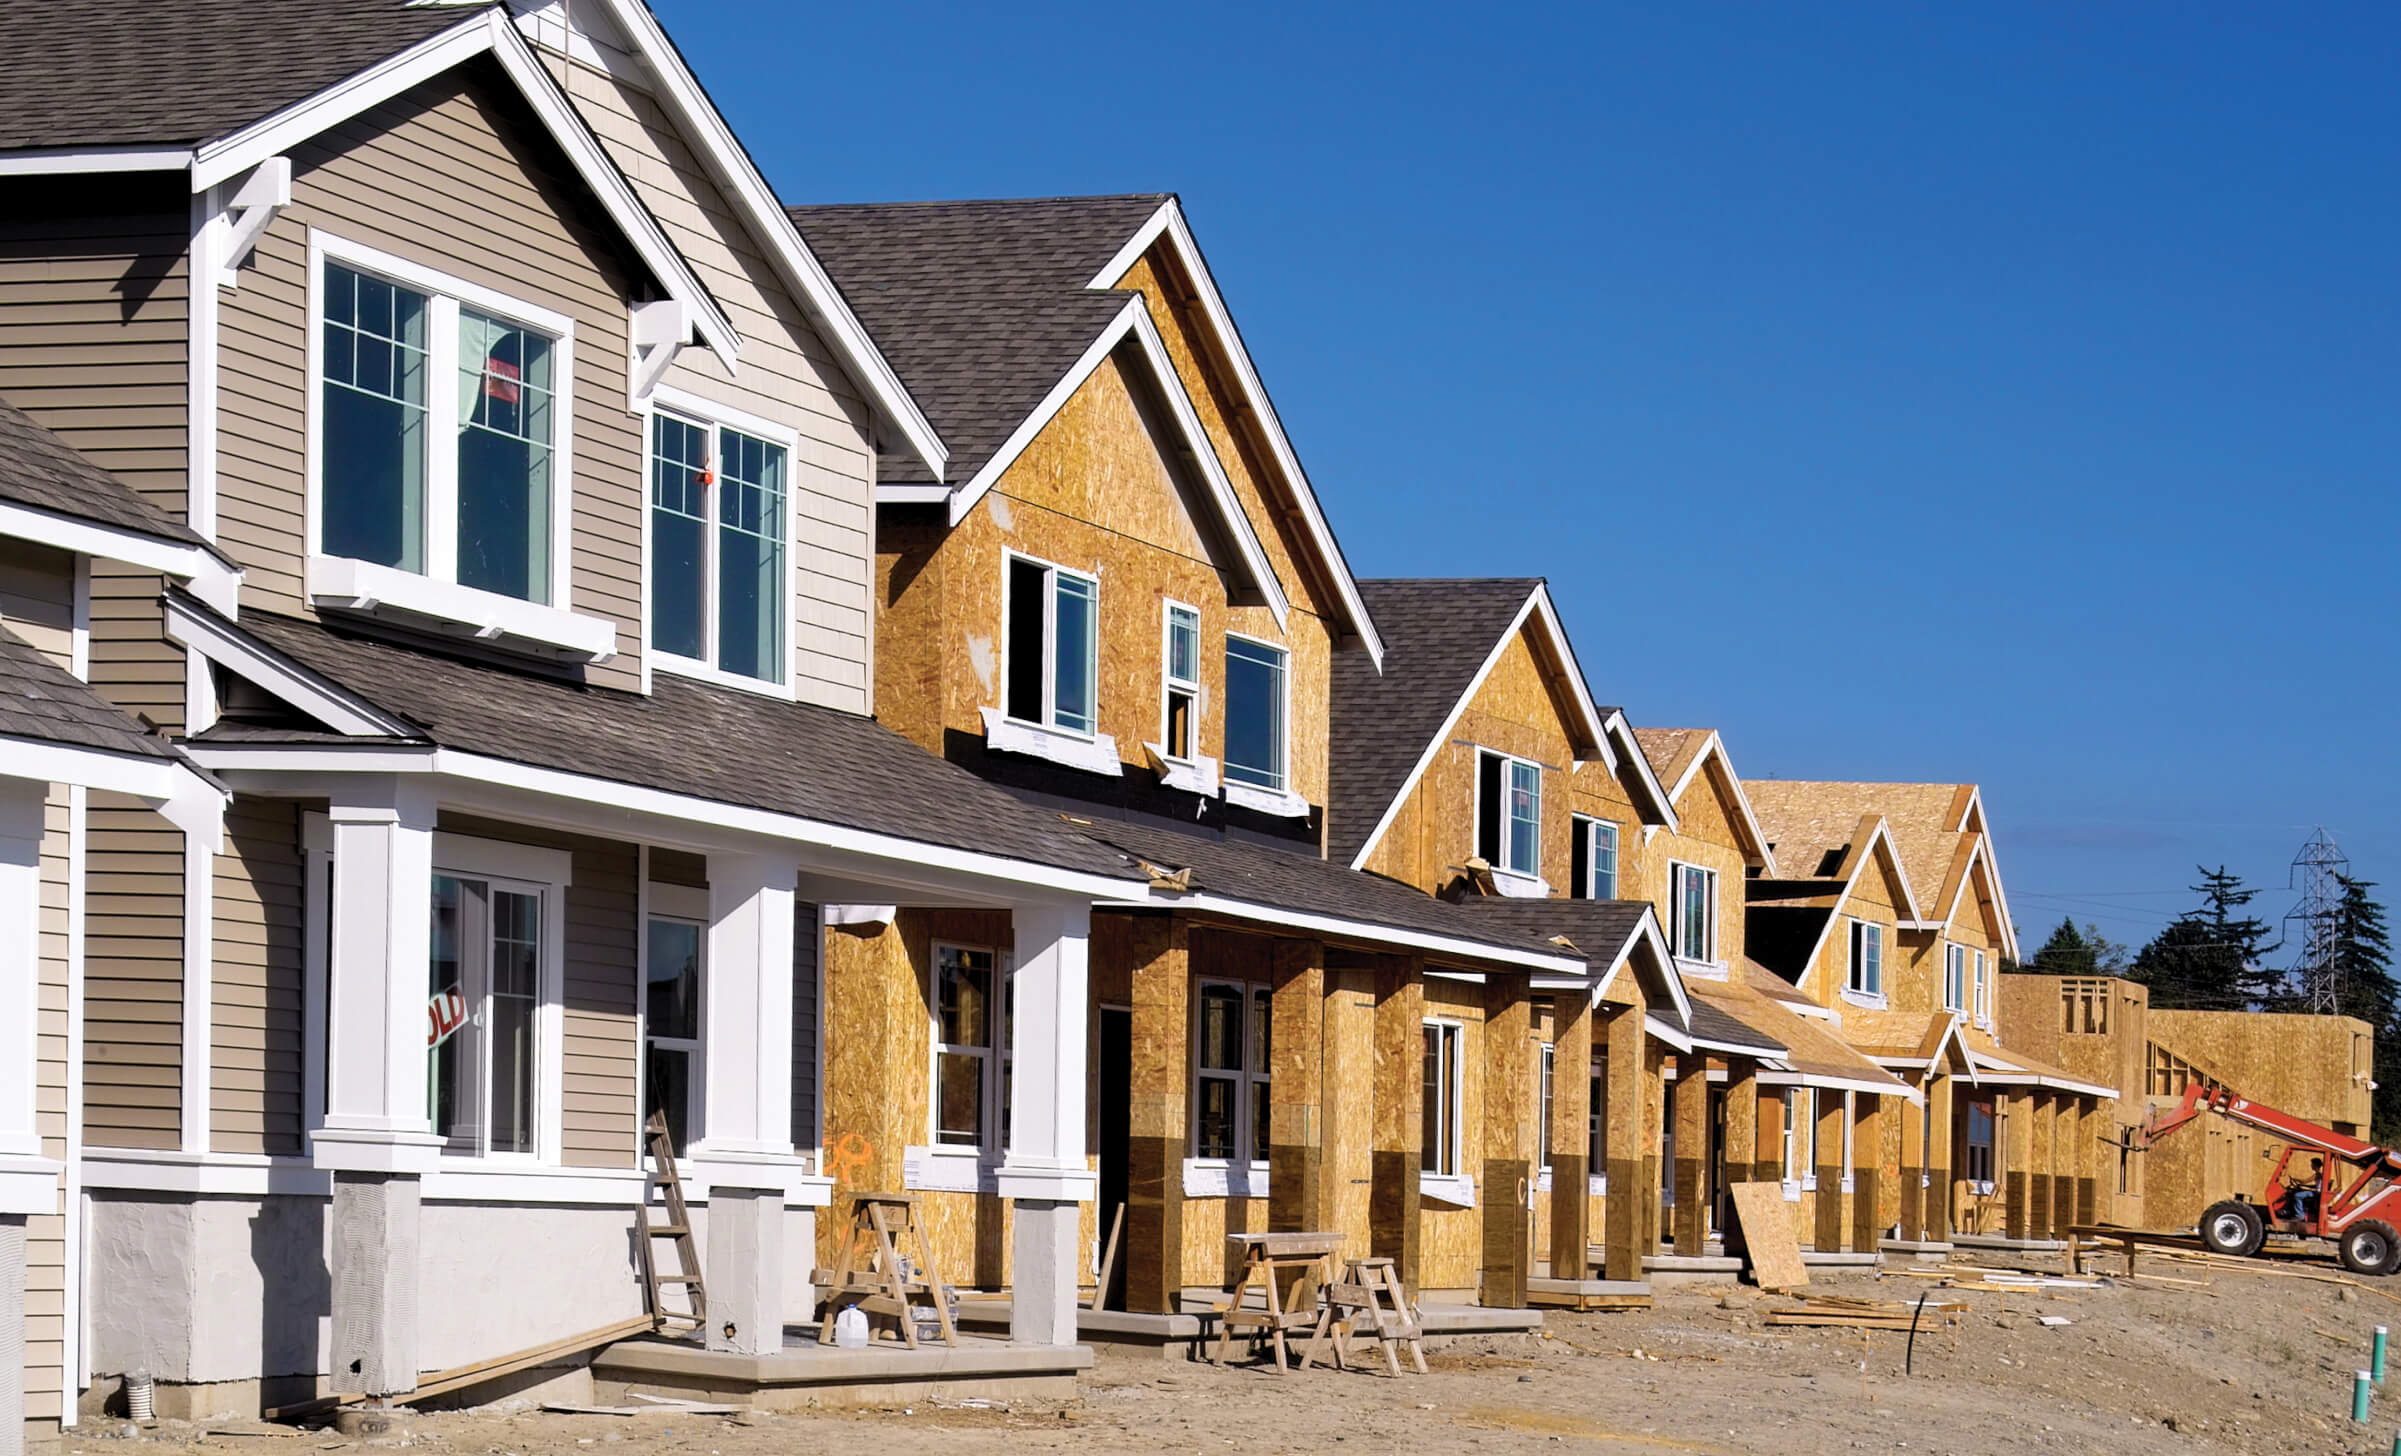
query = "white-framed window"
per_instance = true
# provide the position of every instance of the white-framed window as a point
(494, 1040)
(1850, 1115)
(1231, 1032)
(1694, 914)
(1596, 1151)
(1867, 960)
(1180, 691)
(672, 947)
(1977, 1166)
(1800, 1137)
(1983, 990)
(1445, 1094)
(1509, 813)
(971, 1082)
(1053, 663)
(1595, 870)
(720, 527)
(1954, 977)
(1549, 1056)
(442, 432)
(1257, 712)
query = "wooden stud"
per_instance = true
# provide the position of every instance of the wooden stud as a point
(1768, 1164)
(1569, 1136)
(1296, 1186)
(1622, 1143)
(2090, 1161)
(1160, 1087)
(1867, 1167)
(1692, 1153)
(1505, 1191)
(1399, 1115)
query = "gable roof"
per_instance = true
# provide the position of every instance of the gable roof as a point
(1608, 934)
(1680, 755)
(994, 310)
(42, 702)
(1937, 834)
(1442, 638)
(178, 73)
(40, 470)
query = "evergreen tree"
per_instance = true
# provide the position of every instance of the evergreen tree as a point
(2066, 953)
(2208, 957)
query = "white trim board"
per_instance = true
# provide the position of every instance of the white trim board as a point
(210, 577)
(1715, 745)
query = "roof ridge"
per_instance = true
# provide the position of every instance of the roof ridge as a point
(915, 202)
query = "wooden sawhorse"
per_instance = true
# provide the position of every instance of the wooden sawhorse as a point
(885, 1286)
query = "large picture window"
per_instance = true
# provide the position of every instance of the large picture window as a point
(442, 427)
(1694, 916)
(1445, 1098)
(718, 573)
(1509, 813)
(1255, 696)
(484, 990)
(1867, 959)
(1053, 668)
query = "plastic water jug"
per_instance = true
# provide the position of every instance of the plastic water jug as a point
(850, 1329)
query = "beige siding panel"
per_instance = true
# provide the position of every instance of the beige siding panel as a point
(133, 976)
(45, 1233)
(601, 1123)
(456, 161)
(255, 1025)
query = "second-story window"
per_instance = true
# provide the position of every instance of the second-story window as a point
(1053, 646)
(717, 532)
(1867, 958)
(1509, 813)
(1694, 920)
(1983, 990)
(441, 440)
(1596, 860)
(1255, 692)
(1954, 977)
(1180, 725)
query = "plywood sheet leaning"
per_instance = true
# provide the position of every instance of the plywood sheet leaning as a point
(1773, 1247)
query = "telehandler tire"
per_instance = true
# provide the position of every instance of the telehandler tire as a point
(2234, 1228)
(2369, 1247)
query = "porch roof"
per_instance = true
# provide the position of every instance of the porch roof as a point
(41, 701)
(1812, 1050)
(40, 470)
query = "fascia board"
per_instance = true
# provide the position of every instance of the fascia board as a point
(1587, 713)
(44, 760)
(64, 161)
(226, 645)
(967, 496)
(732, 169)
(1369, 933)
(1442, 735)
(1742, 801)
(196, 564)
(1631, 749)
(1168, 222)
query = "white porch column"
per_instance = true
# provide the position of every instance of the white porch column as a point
(744, 1150)
(377, 1136)
(28, 1181)
(1043, 1170)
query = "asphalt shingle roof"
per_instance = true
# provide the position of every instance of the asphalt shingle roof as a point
(39, 469)
(714, 743)
(981, 307)
(1721, 1028)
(43, 701)
(1437, 633)
(94, 73)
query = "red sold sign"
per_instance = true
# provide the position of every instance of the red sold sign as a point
(448, 1012)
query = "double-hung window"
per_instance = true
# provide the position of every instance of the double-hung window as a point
(1256, 689)
(671, 1022)
(1596, 860)
(490, 952)
(1867, 958)
(1978, 1165)
(1509, 813)
(720, 507)
(1230, 1103)
(1179, 725)
(1054, 643)
(1954, 977)
(1445, 1098)
(1549, 1055)
(1983, 990)
(1693, 917)
(970, 1078)
(442, 428)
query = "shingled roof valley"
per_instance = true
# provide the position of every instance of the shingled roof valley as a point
(981, 307)
(41, 701)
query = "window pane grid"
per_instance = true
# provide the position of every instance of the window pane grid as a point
(1604, 861)
(376, 364)
(963, 1045)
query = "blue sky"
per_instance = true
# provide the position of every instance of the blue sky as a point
(2003, 394)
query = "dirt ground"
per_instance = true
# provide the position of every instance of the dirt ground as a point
(2252, 1363)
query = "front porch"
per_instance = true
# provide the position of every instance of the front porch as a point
(804, 1373)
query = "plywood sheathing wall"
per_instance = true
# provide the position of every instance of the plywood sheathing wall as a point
(464, 140)
(1910, 995)
(1705, 835)
(1451, 1239)
(2304, 1065)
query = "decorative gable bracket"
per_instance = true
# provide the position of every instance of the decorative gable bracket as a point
(661, 329)
(266, 191)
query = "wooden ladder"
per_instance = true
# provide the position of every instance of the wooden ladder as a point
(663, 1177)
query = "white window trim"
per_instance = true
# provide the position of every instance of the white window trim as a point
(1195, 772)
(362, 585)
(684, 905)
(1850, 1113)
(1874, 1000)
(1096, 754)
(1251, 1081)
(1710, 967)
(1448, 1186)
(524, 868)
(1984, 997)
(1523, 884)
(987, 1151)
(1280, 800)
(1546, 1088)
(1952, 952)
(666, 399)
(1050, 646)
(1590, 827)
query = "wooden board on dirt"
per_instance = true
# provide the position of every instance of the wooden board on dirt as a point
(1768, 1237)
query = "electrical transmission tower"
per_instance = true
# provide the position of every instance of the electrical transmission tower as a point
(2317, 874)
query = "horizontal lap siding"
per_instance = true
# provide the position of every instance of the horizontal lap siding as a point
(455, 176)
(255, 1027)
(133, 976)
(788, 374)
(45, 1233)
(600, 1124)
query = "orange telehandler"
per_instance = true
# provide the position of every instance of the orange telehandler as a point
(2351, 1193)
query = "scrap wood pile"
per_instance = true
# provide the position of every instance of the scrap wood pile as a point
(1828, 1310)
(2000, 1281)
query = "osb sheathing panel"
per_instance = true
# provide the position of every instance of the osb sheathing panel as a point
(1451, 1248)
(2312, 1066)
(1599, 794)
(1709, 843)
(1219, 955)
(1519, 709)
(2033, 1020)
(1349, 1111)
(1089, 493)
(1909, 993)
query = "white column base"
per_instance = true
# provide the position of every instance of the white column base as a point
(375, 1248)
(746, 1270)
(1043, 1273)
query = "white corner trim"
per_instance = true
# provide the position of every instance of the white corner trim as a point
(210, 578)
(1097, 754)
(1197, 775)
(339, 583)
(1283, 803)
(1456, 1189)
(1221, 1178)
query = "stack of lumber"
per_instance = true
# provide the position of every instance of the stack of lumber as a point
(1859, 1314)
(1999, 1281)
